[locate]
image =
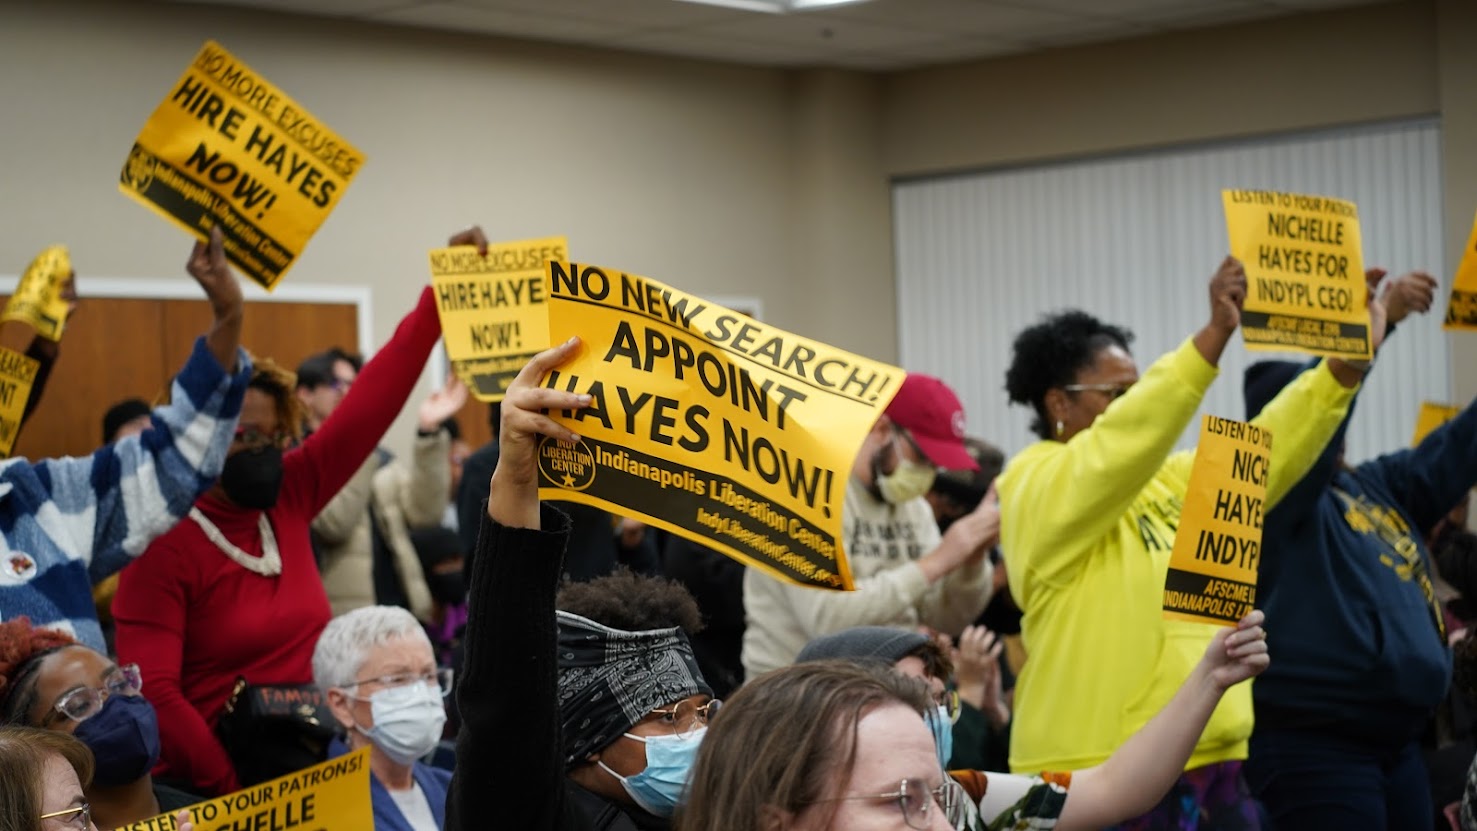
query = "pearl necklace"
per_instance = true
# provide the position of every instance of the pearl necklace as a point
(267, 565)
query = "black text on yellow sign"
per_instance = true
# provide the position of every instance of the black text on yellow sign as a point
(705, 422)
(333, 796)
(228, 148)
(1212, 569)
(38, 300)
(1304, 270)
(492, 309)
(1461, 309)
(17, 375)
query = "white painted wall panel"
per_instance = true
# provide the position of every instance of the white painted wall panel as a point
(1134, 240)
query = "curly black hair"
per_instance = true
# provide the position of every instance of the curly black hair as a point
(1051, 353)
(633, 602)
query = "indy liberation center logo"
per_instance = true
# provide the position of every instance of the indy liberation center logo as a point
(570, 466)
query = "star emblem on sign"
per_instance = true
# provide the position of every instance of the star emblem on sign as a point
(568, 481)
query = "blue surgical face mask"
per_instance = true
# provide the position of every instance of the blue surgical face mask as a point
(124, 739)
(663, 785)
(407, 721)
(943, 734)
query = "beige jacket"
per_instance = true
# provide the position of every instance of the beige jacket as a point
(406, 495)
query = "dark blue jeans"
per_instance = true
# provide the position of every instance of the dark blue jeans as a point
(1310, 781)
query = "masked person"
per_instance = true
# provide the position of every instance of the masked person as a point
(50, 681)
(377, 670)
(228, 606)
(589, 709)
(906, 572)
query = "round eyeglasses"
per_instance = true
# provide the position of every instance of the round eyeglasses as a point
(83, 703)
(684, 717)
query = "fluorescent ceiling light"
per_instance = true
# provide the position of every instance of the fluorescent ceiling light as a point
(774, 6)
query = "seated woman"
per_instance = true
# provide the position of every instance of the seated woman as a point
(230, 603)
(1131, 781)
(42, 776)
(376, 668)
(590, 709)
(49, 681)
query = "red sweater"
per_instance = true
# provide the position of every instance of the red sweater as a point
(194, 620)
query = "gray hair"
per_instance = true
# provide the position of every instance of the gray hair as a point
(348, 638)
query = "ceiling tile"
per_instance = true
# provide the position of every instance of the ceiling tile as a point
(1189, 17)
(708, 47)
(821, 33)
(462, 18)
(959, 49)
(628, 14)
(951, 17)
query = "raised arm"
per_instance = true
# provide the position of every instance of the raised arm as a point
(1139, 774)
(114, 502)
(508, 691)
(333, 453)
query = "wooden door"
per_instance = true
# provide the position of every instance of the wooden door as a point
(131, 348)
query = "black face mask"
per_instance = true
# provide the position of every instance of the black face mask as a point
(252, 478)
(449, 588)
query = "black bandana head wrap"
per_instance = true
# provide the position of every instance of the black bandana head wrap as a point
(610, 679)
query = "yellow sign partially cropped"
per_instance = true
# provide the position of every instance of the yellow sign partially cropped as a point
(38, 299)
(707, 423)
(333, 796)
(17, 374)
(492, 309)
(1304, 271)
(1431, 416)
(228, 148)
(1461, 309)
(1212, 569)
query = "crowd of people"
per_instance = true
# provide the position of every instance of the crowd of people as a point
(1003, 662)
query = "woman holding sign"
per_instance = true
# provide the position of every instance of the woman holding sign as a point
(1088, 522)
(228, 606)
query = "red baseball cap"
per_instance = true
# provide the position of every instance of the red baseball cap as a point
(933, 416)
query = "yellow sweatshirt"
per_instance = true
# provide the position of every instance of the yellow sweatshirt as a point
(1087, 527)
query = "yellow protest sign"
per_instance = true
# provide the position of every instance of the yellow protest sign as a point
(17, 374)
(707, 423)
(38, 300)
(1431, 416)
(1461, 309)
(1212, 569)
(1304, 271)
(333, 796)
(228, 148)
(492, 309)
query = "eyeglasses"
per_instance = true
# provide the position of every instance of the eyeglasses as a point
(684, 717)
(78, 817)
(440, 678)
(83, 703)
(340, 384)
(1112, 391)
(256, 438)
(916, 800)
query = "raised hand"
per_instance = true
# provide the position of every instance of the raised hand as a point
(514, 498)
(471, 236)
(977, 673)
(441, 404)
(1227, 295)
(207, 264)
(1412, 292)
(1235, 655)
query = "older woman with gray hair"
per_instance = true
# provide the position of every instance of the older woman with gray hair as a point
(379, 675)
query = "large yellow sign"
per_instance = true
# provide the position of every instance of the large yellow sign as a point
(228, 148)
(492, 309)
(708, 423)
(1461, 310)
(17, 374)
(38, 299)
(1212, 569)
(1304, 270)
(333, 796)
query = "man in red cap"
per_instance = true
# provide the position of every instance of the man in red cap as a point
(906, 573)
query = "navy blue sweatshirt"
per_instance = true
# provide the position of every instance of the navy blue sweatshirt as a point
(1354, 629)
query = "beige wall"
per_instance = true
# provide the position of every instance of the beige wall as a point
(723, 180)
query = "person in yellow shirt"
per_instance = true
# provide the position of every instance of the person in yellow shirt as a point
(1088, 519)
